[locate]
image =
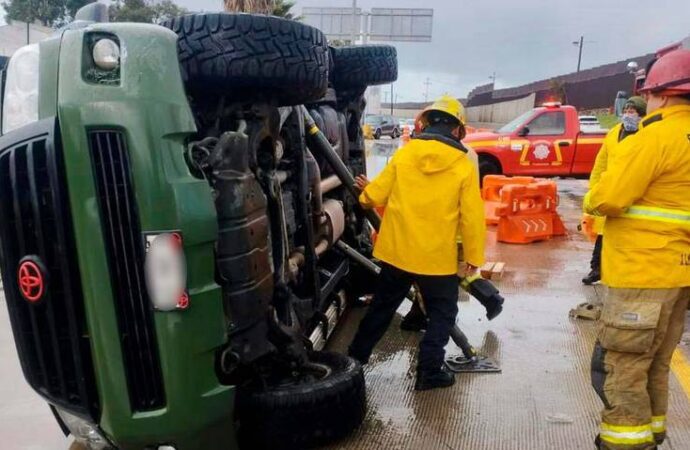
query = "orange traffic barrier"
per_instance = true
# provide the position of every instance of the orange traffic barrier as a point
(491, 193)
(528, 213)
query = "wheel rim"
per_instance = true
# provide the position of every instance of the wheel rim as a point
(308, 373)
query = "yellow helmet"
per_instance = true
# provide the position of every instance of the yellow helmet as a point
(446, 104)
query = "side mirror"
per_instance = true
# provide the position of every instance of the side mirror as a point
(524, 131)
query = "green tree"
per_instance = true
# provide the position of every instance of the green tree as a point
(47, 12)
(282, 8)
(146, 11)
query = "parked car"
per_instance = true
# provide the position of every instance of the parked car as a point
(383, 125)
(545, 141)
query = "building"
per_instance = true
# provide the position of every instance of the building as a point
(17, 34)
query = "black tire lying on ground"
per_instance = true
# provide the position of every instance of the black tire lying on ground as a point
(252, 57)
(298, 416)
(366, 65)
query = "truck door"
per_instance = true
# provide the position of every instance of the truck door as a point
(549, 152)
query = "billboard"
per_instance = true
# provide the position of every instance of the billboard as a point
(336, 23)
(379, 24)
(401, 24)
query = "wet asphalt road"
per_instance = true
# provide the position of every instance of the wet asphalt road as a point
(542, 400)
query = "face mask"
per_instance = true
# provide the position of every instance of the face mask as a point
(630, 122)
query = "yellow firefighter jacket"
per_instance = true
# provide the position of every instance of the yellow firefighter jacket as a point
(644, 195)
(604, 156)
(431, 194)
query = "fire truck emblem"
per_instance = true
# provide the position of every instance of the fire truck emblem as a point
(31, 279)
(541, 151)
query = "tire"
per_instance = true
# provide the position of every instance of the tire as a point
(487, 167)
(366, 65)
(252, 57)
(305, 415)
(395, 134)
(377, 134)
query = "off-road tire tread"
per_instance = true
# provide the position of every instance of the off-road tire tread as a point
(308, 415)
(245, 55)
(366, 65)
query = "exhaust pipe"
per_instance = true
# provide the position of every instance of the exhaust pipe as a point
(318, 143)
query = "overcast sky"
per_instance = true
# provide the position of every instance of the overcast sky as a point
(522, 41)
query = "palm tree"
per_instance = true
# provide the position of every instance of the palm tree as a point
(250, 6)
(282, 8)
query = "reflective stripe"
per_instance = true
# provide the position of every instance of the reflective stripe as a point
(658, 424)
(313, 130)
(658, 214)
(630, 435)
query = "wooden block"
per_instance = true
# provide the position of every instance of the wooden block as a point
(486, 270)
(497, 271)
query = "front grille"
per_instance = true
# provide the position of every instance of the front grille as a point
(125, 251)
(51, 335)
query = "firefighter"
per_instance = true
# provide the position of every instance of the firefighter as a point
(430, 190)
(646, 261)
(635, 108)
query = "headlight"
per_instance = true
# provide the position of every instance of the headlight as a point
(106, 54)
(84, 432)
(21, 89)
(166, 272)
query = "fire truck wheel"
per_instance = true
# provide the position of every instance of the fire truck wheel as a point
(325, 402)
(252, 57)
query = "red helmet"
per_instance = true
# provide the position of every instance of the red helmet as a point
(670, 74)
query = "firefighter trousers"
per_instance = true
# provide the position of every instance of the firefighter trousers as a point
(440, 295)
(638, 332)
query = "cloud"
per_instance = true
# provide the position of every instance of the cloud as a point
(521, 41)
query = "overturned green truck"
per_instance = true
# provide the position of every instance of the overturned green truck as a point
(174, 251)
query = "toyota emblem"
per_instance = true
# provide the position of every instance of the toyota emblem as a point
(31, 277)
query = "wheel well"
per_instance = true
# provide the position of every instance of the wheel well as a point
(490, 158)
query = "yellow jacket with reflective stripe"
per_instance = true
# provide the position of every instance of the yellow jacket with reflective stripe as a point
(605, 155)
(645, 196)
(431, 194)
(600, 165)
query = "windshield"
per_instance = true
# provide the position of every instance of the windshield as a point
(373, 120)
(515, 123)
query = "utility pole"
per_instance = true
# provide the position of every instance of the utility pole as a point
(579, 57)
(355, 28)
(427, 83)
(392, 100)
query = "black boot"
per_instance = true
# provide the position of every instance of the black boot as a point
(432, 379)
(415, 320)
(487, 294)
(593, 277)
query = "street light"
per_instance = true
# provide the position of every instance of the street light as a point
(580, 44)
(579, 57)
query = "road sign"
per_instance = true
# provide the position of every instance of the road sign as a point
(380, 24)
(401, 24)
(336, 23)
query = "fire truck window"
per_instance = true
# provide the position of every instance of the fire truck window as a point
(547, 124)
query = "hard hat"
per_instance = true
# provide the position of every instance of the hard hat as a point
(670, 74)
(638, 103)
(446, 105)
